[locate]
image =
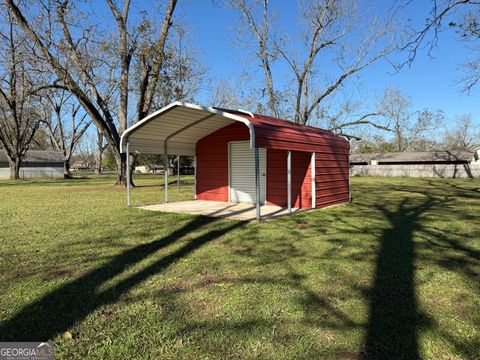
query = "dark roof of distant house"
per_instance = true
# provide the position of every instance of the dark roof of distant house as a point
(39, 156)
(414, 157)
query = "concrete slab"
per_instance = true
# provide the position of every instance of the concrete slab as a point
(243, 212)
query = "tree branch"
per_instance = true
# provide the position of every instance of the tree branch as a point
(361, 121)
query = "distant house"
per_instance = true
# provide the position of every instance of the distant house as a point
(80, 165)
(150, 169)
(158, 169)
(445, 164)
(36, 164)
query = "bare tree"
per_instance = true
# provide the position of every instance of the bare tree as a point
(223, 95)
(469, 30)
(180, 76)
(462, 15)
(413, 131)
(182, 73)
(348, 114)
(328, 25)
(465, 135)
(20, 113)
(85, 151)
(395, 107)
(371, 144)
(235, 93)
(99, 150)
(421, 131)
(67, 125)
(328, 29)
(90, 62)
(260, 29)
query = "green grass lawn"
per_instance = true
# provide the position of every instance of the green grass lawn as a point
(393, 275)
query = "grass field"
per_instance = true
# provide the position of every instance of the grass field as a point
(393, 275)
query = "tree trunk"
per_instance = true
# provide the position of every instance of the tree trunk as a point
(132, 168)
(99, 153)
(121, 160)
(14, 168)
(66, 169)
(98, 162)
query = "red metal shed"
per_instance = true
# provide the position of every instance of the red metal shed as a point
(246, 157)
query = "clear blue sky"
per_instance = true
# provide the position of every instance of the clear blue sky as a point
(430, 82)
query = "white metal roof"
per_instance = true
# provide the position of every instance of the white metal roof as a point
(181, 125)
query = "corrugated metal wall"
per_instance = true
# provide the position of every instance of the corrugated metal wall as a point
(212, 170)
(277, 178)
(331, 170)
(212, 161)
(332, 177)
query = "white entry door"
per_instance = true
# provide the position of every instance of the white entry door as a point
(242, 173)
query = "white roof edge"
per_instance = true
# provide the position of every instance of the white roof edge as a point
(249, 113)
(150, 117)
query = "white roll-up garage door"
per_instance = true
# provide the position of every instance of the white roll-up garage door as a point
(242, 173)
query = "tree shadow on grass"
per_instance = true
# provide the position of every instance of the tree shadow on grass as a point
(62, 308)
(394, 319)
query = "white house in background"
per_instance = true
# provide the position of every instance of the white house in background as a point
(155, 169)
(36, 164)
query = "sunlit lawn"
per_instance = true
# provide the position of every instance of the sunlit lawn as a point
(393, 275)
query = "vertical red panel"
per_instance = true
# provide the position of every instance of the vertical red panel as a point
(212, 161)
(277, 178)
(331, 178)
(331, 171)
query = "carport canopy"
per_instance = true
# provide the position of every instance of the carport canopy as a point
(176, 128)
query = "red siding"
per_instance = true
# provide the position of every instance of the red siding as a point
(331, 167)
(331, 177)
(212, 161)
(277, 178)
(286, 135)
